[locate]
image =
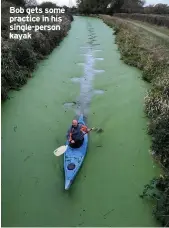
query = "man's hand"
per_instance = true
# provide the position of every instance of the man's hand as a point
(72, 141)
(90, 129)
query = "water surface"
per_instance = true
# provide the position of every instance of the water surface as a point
(84, 74)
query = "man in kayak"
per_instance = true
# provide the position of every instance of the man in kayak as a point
(76, 134)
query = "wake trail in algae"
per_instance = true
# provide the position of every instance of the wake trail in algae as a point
(86, 81)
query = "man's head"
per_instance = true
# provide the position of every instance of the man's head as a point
(74, 123)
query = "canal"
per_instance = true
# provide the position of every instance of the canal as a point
(84, 74)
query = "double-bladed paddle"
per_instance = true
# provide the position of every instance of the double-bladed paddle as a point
(62, 149)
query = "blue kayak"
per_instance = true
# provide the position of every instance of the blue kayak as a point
(73, 159)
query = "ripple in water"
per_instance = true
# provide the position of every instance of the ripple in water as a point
(97, 50)
(99, 59)
(95, 44)
(98, 92)
(80, 64)
(91, 39)
(76, 80)
(84, 47)
(86, 55)
(86, 81)
(68, 104)
(99, 71)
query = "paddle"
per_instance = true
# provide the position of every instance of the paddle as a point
(62, 149)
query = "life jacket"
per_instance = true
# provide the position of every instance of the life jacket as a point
(76, 133)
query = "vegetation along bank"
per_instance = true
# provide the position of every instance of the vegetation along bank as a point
(19, 57)
(161, 20)
(144, 50)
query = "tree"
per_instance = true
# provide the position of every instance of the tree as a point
(116, 5)
(157, 9)
(110, 6)
(17, 2)
(132, 6)
(161, 9)
(29, 3)
(47, 5)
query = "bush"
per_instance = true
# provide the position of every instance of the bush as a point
(158, 191)
(24, 54)
(19, 58)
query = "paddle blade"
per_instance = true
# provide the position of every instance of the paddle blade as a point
(60, 150)
(97, 130)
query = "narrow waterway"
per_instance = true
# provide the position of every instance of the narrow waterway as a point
(84, 74)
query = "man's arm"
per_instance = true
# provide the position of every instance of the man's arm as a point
(85, 129)
(69, 134)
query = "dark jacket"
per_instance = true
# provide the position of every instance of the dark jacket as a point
(76, 133)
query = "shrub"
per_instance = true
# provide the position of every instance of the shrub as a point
(19, 58)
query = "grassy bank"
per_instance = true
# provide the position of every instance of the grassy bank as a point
(20, 57)
(156, 19)
(141, 49)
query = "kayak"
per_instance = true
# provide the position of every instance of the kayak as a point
(73, 158)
